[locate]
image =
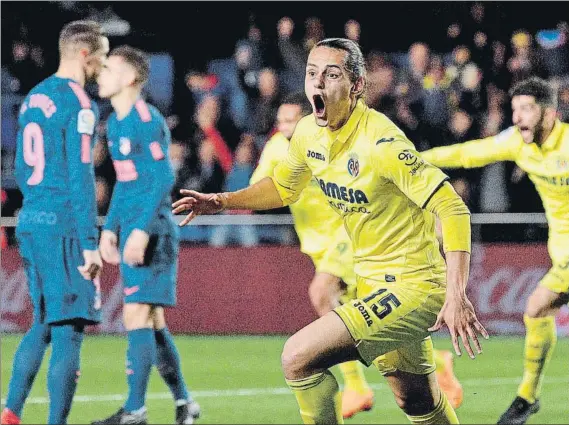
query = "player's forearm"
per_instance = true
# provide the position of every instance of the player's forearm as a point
(454, 217)
(84, 208)
(455, 228)
(472, 154)
(260, 196)
(112, 223)
(445, 157)
(458, 268)
(84, 203)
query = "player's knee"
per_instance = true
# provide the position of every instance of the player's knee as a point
(158, 318)
(537, 306)
(136, 316)
(294, 359)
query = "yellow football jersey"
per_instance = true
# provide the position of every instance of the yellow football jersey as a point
(373, 177)
(547, 167)
(318, 227)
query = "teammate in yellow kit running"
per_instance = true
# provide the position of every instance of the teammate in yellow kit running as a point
(324, 239)
(539, 144)
(388, 198)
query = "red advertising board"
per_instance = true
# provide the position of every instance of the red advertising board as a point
(263, 290)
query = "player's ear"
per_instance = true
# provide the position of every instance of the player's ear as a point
(359, 86)
(84, 52)
(551, 113)
(130, 77)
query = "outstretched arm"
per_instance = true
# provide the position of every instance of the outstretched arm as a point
(283, 188)
(427, 187)
(457, 312)
(476, 153)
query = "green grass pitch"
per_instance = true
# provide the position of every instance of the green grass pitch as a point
(237, 379)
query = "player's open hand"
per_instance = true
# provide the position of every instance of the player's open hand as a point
(460, 318)
(93, 264)
(108, 247)
(198, 204)
(135, 247)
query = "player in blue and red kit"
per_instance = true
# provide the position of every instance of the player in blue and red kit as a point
(141, 235)
(57, 228)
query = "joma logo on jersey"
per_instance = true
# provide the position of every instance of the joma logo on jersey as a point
(332, 190)
(316, 155)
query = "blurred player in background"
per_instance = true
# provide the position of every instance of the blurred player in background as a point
(57, 225)
(324, 239)
(388, 197)
(539, 144)
(140, 225)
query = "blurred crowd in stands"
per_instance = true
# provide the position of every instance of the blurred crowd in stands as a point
(436, 97)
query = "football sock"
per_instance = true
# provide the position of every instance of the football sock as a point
(442, 415)
(141, 355)
(27, 361)
(63, 372)
(354, 378)
(541, 337)
(168, 364)
(318, 398)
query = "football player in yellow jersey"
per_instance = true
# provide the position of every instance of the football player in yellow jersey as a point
(539, 144)
(324, 239)
(388, 197)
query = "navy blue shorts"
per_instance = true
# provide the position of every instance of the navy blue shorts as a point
(58, 291)
(154, 282)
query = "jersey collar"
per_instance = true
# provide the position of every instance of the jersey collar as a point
(553, 139)
(344, 133)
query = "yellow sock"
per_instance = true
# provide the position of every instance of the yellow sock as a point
(541, 336)
(318, 398)
(442, 415)
(354, 378)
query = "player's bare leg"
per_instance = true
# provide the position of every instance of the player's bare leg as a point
(168, 365)
(325, 292)
(309, 354)
(306, 358)
(421, 398)
(541, 337)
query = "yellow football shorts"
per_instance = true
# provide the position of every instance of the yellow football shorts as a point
(389, 324)
(557, 278)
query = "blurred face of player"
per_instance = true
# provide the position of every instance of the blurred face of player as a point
(534, 122)
(288, 116)
(93, 62)
(115, 76)
(328, 87)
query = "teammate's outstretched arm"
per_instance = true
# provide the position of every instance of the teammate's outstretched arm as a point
(475, 153)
